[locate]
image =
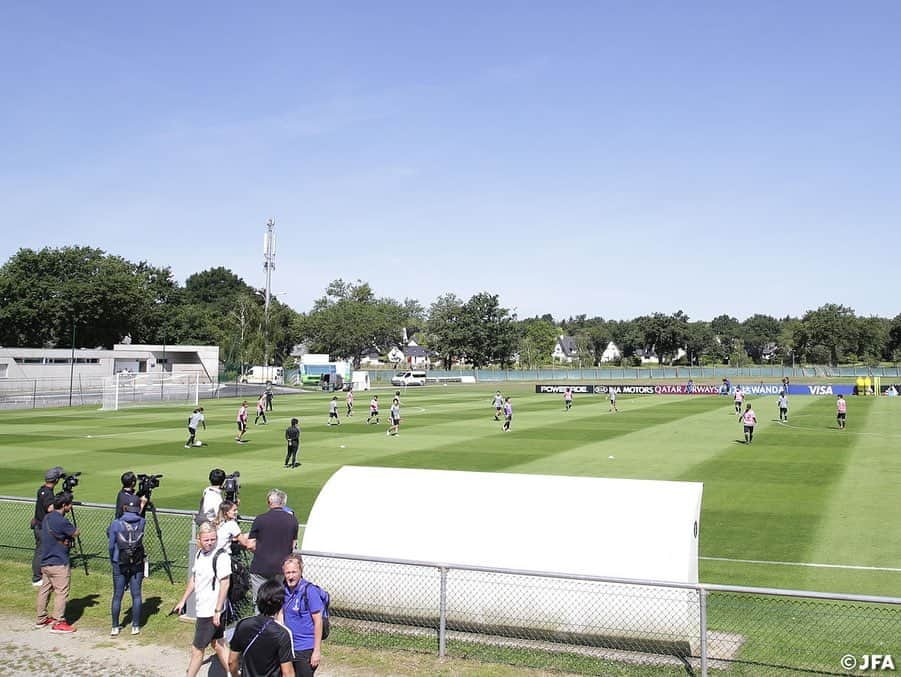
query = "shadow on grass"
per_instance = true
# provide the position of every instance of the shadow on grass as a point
(149, 607)
(75, 607)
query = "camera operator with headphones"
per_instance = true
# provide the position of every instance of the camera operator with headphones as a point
(43, 504)
(126, 495)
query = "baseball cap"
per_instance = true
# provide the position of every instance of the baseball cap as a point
(131, 503)
(53, 474)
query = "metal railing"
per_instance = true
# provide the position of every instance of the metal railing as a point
(553, 621)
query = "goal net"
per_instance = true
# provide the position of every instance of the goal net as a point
(130, 390)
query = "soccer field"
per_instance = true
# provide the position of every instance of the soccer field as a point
(806, 506)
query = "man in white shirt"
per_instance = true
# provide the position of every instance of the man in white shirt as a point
(210, 589)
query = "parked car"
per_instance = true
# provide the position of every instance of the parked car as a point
(408, 378)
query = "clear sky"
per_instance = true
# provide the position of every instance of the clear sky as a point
(606, 158)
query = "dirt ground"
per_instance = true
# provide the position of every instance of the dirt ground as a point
(25, 650)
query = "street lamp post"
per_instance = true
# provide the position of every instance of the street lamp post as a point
(72, 363)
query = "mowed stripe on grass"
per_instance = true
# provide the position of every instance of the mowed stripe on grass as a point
(807, 494)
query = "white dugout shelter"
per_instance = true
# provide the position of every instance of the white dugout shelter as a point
(612, 528)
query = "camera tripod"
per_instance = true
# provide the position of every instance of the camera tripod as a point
(84, 560)
(159, 535)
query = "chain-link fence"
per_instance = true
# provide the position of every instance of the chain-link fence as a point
(580, 624)
(594, 625)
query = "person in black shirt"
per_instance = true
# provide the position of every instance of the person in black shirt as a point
(43, 503)
(292, 435)
(272, 537)
(261, 646)
(127, 492)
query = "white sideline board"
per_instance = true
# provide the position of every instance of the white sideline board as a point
(617, 528)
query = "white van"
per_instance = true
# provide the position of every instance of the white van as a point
(409, 378)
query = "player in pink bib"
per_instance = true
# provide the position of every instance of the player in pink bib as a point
(841, 410)
(749, 419)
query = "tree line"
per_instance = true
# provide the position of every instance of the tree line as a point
(82, 296)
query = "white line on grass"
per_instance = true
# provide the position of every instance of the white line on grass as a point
(803, 564)
(836, 429)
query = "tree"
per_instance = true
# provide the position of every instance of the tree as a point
(217, 287)
(665, 333)
(47, 295)
(893, 342)
(537, 341)
(831, 326)
(350, 320)
(701, 344)
(490, 332)
(595, 339)
(759, 333)
(627, 335)
(872, 339)
(445, 330)
(414, 316)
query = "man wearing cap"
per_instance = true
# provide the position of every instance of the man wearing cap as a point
(42, 505)
(58, 536)
(124, 531)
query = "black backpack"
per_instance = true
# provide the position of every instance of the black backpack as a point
(130, 542)
(238, 585)
(312, 588)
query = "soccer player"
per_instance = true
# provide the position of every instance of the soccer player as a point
(568, 399)
(261, 409)
(498, 405)
(195, 420)
(374, 409)
(394, 415)
(612, 401)
(783, 408)
(749, 419)
(841, 410)
(739, 398)
(242, 423)
(333, 411)
(349, 402)
(508, 414)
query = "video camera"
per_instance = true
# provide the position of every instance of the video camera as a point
(231, 487)
(70, 481)
(147, 483)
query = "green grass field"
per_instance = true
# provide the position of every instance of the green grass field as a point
(806, 506)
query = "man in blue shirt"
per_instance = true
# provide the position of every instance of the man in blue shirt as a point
(57, 536)
(42, 504)
(303, 617)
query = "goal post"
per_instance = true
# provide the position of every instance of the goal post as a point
(124, 390)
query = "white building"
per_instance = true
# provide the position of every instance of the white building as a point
(97, 363)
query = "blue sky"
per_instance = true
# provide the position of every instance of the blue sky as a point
(607, 158)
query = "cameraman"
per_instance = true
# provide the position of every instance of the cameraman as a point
(126, 495)
(58, 535)
(43, 503)
(212, 495)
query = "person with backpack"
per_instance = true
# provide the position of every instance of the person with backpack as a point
(304, 612)
(126, 552)
(260, 645)
(209, 583)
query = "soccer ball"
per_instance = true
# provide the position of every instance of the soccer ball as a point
(198, 443)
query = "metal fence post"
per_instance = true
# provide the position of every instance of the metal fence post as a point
(702, 602)
(442, 614)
